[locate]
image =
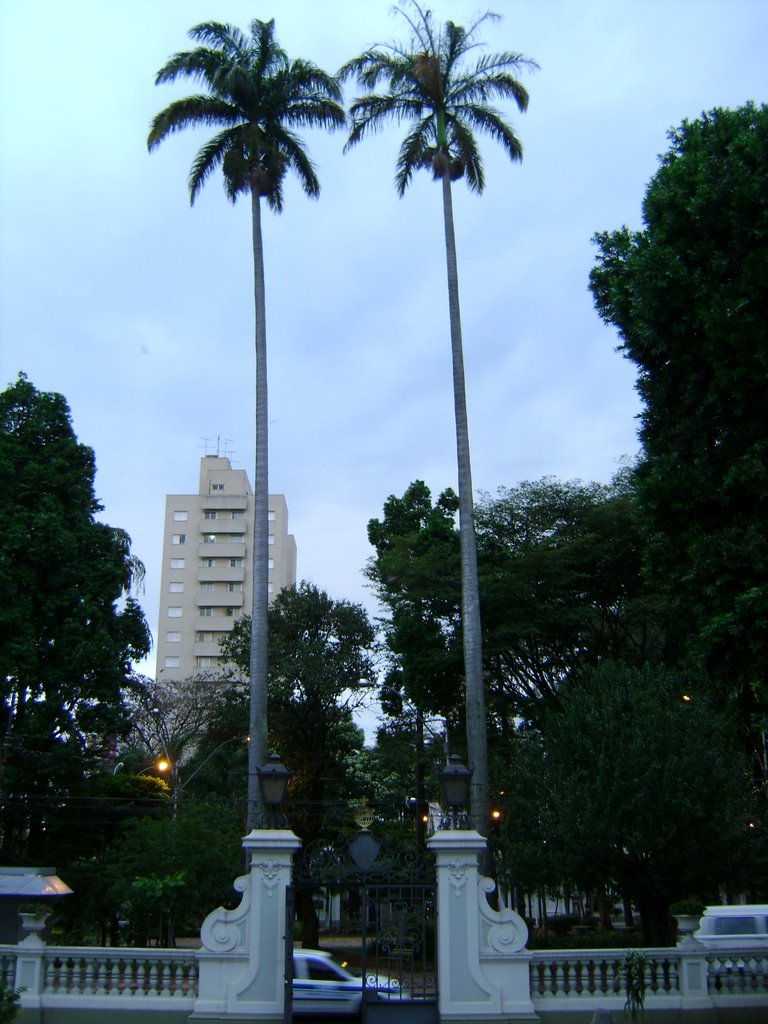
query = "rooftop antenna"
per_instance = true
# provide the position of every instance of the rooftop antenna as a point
(223, 450)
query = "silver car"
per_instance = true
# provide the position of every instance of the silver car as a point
(323, 986)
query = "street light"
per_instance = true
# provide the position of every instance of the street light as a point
(273, 783)
(455, 781)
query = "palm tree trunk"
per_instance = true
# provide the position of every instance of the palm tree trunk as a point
(257, 717)
(477, 739)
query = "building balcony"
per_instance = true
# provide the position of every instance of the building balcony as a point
(222, 548)
(219, 599)
(225, 501)
(220, 574)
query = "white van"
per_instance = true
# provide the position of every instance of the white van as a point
(736, 925)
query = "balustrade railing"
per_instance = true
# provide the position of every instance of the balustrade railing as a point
(81, 976)
(577, 974)
(584, 974)
(86, 973)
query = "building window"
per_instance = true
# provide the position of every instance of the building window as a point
(176, 588)
(235, 538)
(269, 589)
(174, 612)
(207, 563)
(205, 611)
(177, 563)
(235, 563)
(179, 538)
(180, 516)
(173, 662)
(173, 638)
(271, 516)
(238, 513)
(271, 538)
(229, 612)
(217, 487)
(207, 587)
(203, 662)
(209, 538)
(204, 638)
(271, 563)
(235, 588)
(209, 514)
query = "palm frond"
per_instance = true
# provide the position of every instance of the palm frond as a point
(489, 121)
(299, 161)
(371, 113)
(464, 145)
(226, 39)
(201, 64)
(432, 83)
(207, 159)
(416, 152)
(257, 95)
(192, 111)
(422, 26)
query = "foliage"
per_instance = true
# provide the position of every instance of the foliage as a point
(319, 655)
(688, 296)
(560, 587)
(633, 967)
(257, 96)
(195, 855)
(432, 83)
(10, 1004)
(693, 907)
(69, 628)
(644, 789)
(415, 572)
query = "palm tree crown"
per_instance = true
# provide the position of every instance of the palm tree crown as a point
(257, 96)
(433, 84)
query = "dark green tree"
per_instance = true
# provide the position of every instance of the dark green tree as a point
(644, 789)
(688, 295)
(561, 589)
(258, 98)
(320, 662)
(69, 629)
(433, 83)
(416, 577)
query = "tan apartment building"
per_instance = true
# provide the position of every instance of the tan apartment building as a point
(206, 580)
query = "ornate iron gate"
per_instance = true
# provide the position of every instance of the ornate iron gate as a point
(377, 910)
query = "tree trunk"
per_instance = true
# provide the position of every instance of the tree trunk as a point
(657, 923)
(477, 739)
(257, 718)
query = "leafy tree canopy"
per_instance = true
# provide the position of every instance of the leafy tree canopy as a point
(319, 655)
(688, 295)
(645, 788)
(69, 629)
(415, 572)
(560, 588)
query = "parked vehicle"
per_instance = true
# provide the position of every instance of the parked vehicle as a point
(735, 925)
(323, 986)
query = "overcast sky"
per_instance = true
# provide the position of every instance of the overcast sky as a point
(139, 309)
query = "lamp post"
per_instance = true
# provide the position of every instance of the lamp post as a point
(273, 783)
(455, 781)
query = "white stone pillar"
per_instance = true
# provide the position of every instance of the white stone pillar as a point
(242, 962)
(482, 967)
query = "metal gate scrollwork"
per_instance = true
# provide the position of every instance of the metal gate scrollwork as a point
(379, 912)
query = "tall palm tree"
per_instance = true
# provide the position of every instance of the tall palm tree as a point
(432, 83)
(257, 97)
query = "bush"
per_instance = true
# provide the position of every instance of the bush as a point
(10, 1001)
